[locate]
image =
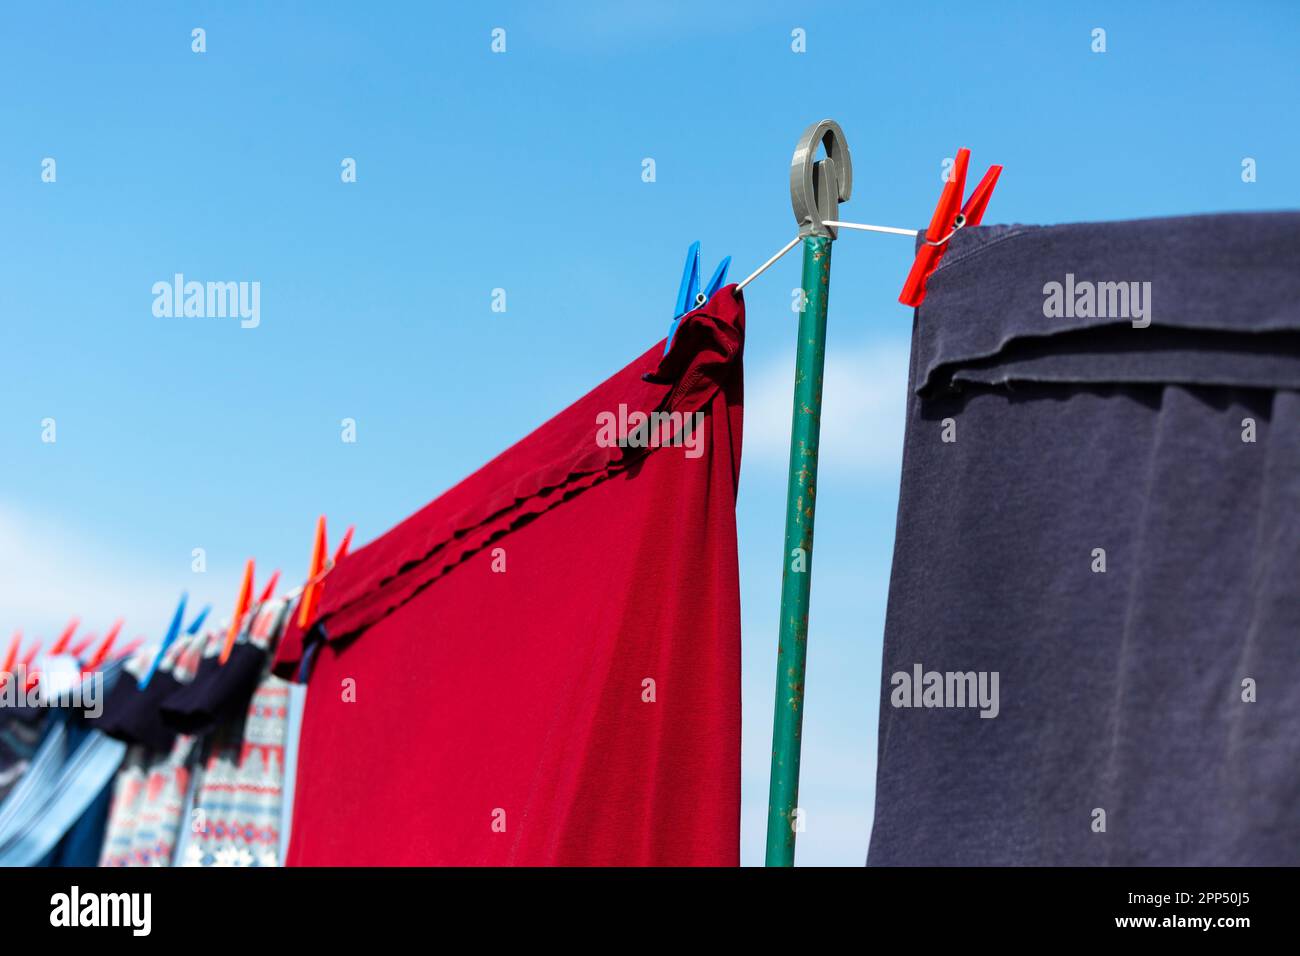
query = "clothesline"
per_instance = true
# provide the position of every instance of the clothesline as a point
(837, 224)
(834, 223)
(291, 595)
(222, 623)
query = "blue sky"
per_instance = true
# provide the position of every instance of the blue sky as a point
(522, 171)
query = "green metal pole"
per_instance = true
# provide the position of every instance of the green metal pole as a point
(796, 575)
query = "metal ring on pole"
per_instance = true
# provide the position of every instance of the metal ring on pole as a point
(817, 188)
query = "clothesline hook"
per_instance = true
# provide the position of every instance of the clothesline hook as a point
(817, 188)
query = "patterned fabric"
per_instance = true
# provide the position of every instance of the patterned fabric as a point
(148, 797)
(191, 652)
(216, 798)
(293, 734)
(237, 808)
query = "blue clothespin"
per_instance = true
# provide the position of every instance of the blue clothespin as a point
(689, 296)
(198, 621)
(173, 631)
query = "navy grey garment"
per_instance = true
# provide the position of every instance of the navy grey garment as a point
(133, 716)
(20, 733)
(82, 843)
(1100, 508)
(219, 692)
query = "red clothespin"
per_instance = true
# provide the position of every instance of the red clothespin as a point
(6, 668)
(76, 650)
(339, 555)
(61, 644)
(113, 631)
(130, 648)
(97, 658)
(261, 623)
(30, 655)
(12, 654)
(949, 216)
(346, 543)
(241, 608)
(25, 665)
(270, 588)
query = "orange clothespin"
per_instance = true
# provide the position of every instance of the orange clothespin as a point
(949, 216)
(307, 603)
(242, 604)
(61, 644)
(311, 592)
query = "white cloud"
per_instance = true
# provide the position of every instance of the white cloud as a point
(50, 572)
(863, 407)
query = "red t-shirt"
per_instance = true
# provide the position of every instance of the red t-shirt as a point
(542, 666)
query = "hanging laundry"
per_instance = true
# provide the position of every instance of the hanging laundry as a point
(133, 714)
(1090, 645)
(54, 796)
(219, 692)
(82, 843)
(50, 812)
(150, 790)
(542, 666)
(236, 815)
(149, 795)
(220, 792)
(237, 810)
(297, 703)
(20, 733)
